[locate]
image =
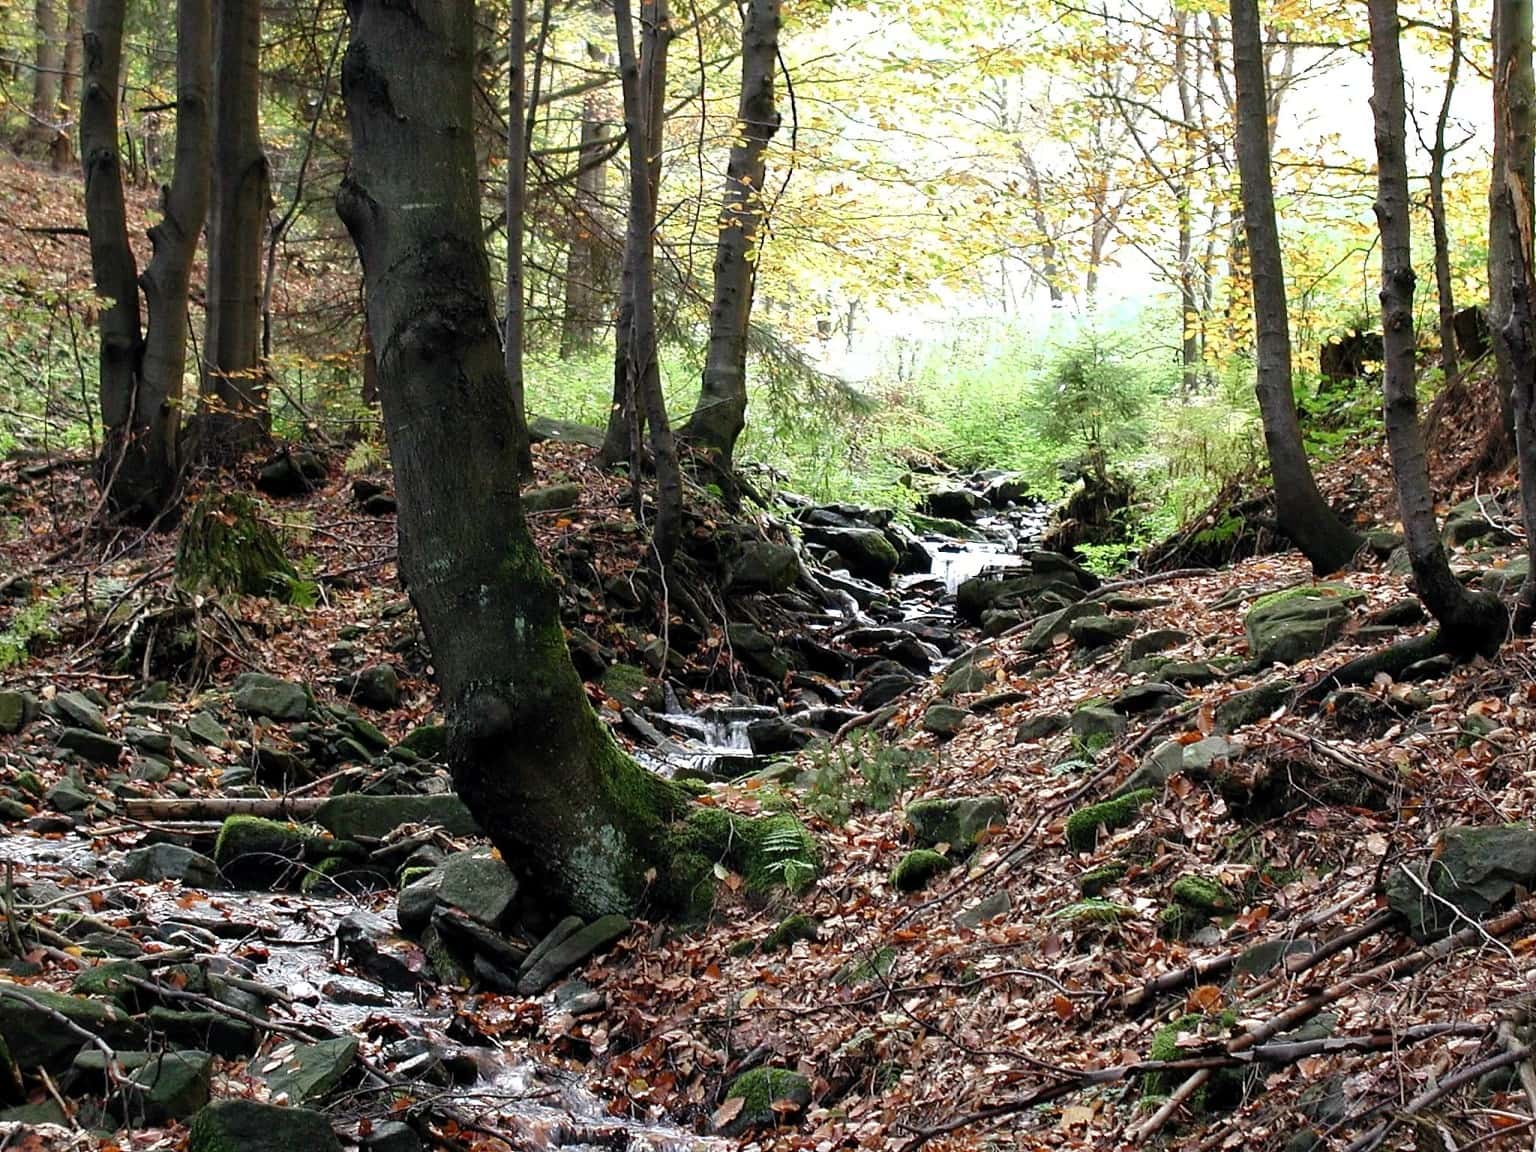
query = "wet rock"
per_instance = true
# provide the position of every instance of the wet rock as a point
(763, 566)
(217, 1033)
(759, 1090)
(169, 862)
(757, 651)
(1091, 632)
(915, 557)
(254, 851)
(257, 694)
(568, 953)
(554, 498)
(169, 1086)
(377, 687)
(1297, 623)
(883, 690)
(1253, 704)
(771, 736)
(34, 1036)
(866, 552)
(579, 998)
(311, 1072)
(16, 710)
(945, 719)
(76, 710)
(1044, 632)
(247, 1126)
(366, 940)
(390, 1136)
(477, 883)
(1473, 872)
(951, 504)
(353, 816)
(960, 821)
(1009, 488)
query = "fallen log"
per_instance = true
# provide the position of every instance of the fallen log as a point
(218, 807)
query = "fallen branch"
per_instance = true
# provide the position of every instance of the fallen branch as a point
(218, 807)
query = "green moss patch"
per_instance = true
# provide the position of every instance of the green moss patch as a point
(1084, 824)
(914, 870)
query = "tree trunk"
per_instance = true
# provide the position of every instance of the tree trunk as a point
(38, 136)
(1304, 515)
(235, 417)
(62, 152)
(1497, 448)
(585, 263)
(519, 141)
(1445, 292)
(1470, 623)
(1190, 352)
(587, 830)
(722, 410)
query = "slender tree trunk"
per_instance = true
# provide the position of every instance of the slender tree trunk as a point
(62, 152)
(1189, 304)
(1470, 623)
(38, 137)
(722, 409)
(1496, 448)
(519, 140)
(235, 417)
(585, 828)
(585, 262)
(1303, 513)
(142, 373)
(1050, 265)
(1444, 290)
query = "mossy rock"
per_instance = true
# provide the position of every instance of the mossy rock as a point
(1225, 1086)
(1297, 623)
(631, 686)
(1093, 911)
(768, 852)
(1181, 921)
(1252, 704)
(1204, 894)
(1095, 880)
(34, 1037)
(253, 850)
(914, 870)
(226, 546)
(959, 821)
(110, 979)
(790, 930)
(429, 741)
(248, 1126)
(1083, 825)
(759, 1090)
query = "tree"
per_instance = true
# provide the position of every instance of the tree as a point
(1470, 623)
(1444, 290)
(586, 828)
(47, 58)
(588, 267)
(722, 409)
(519, 141)
(141, 371)
(1304, 515)
(235, 417)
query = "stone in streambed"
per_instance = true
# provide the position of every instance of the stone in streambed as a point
(248, 1126)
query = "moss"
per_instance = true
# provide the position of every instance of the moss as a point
(1180, 922)
(415, 872)
(429, 741)
(226, 546)
(758, 1091)
(874, 967)
(1093, 911)
(1084, 824)
(253, 849)
(767, 852)
(110, 979)
(1095, 880)
(914, 870)
(341, 872)
(792, 928)
(1203, 894)
(1224, 1083)
(1335, 590)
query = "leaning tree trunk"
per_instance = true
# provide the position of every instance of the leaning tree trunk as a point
(519, 141)
(1470, 623)
(588, 830)
(42, 120)
(1304, 515)
(235, 417)
(722, 410)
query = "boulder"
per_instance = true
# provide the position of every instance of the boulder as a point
(1473, 871)
(554, 498)
(959, 821)
(238, 1125)
(1096, 725)
(866, 552)
(311, 1072)
(1155, 770)
(1158, 640)
(945, 719)
(1297, 623)
(69, 796)
(542, 428)
(157, 862)
(917, 868)
(377, 687)
(257, 694)
(91, 745)
(33, 1034)
(1475, 519)
(757, 651)
(543, 969)
(168, 1086)
(353, 815)
(1100, 631)
(291, 472)
(218, 1033)
(477, 883)
(76, 710)
(773, 735)
(763, 566)
(759, 1091)
(951, 504)
(1043, 632)
(254, 851)
(205, 729)
(16, 710)
(1009, 488)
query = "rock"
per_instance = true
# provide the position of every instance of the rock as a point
(945, 719)
(68, 796)
(914, 870)
(1202, 754)
(1203, 895)
(1472, 872)
(763, 566)
(883, 690)
(1144, 699)
(951, 504)
(1253, 704)
(757, 651)
(92, 746)
(390, 1136)
(915, 557)
(169, 862)
(252, 850)
(1009, 488)
(866, 552)
(16, 710)
(791, 929)
(1096, 725)
(541, 428)
(377, 687)
(1041, 726)
(1297, 623)
(1162, 763)
(220, 1034)
(291, 472)
(1433, 668)
(574, 949)
(1506, 579)
(960, 821)
(367, 941)
(1475, 519)
(988, 908)
(311, 1072)
(477, 883)
(1158, 640)
(773, 735)
(34, 1037)
(76, 710)
(350, 816)
(1092, 632)
(429, 741)
(1043, 633)
(169, 1086)
(555, 498)
(1082, 828)
(759, 1090)
(247, 1126)
(257, 694)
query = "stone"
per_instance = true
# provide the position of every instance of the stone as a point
(1506, 579)
(1143, 699)
(238, 1125)
(757, 651)
(169, 1086)
(1041, 726)
(76, 710)
(1252, 704)
(1096, 725)
(1162, 763)
(32, 1034)
(376, 687)
(1199, 756)
(759, 1090)
(553, 498)
(158, 862)
(352, 815)
(391, 1136)
(428, 741)
(220, 1034)
(763, 566)
(883, 690)
(866, 552)
(951, 504)
(1042, 634)
(291, 472)
(538, 974)
(477, 883)
(1472, 872)
(1475, 519)
(541, 428)
(148, 741)
(68, 796)
(311, 1072)
(1092, 632)
(1009, 488)
(1432, 668)
(959, 821)
(945, 719)
(1296, 624)
(16, 710)
(257, 694)
(774, 735)
(988, 908)
(254, 851)
(91, 745)
(1082, 828)
(1157, 640)
(917, 868)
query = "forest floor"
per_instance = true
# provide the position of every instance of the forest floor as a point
(1230, 921)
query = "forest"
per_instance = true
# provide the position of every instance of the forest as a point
(615, 575)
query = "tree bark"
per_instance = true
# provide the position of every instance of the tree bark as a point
(1470, 623)
(38, 137)
(1497, 447)
(519, 141)
(722, 409)
(1303, 514)
(583, 826)
(1445, 291)
(235, 417)
(587, 269)
(62, 152)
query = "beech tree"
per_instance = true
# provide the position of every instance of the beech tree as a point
(519, 138)
(141, 370)
(40, 132)
(235, 417)
(1304, 515)
(721, 413)
(588, 267)
(590, 831)
(1470, 622)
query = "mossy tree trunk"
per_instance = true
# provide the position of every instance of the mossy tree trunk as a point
(1470, 623)
(588, 830)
